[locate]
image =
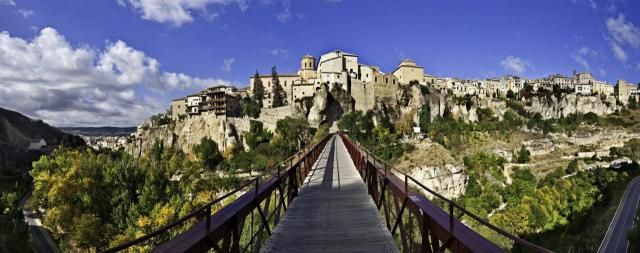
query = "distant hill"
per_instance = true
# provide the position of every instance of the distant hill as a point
(23, 139)
(99, 131)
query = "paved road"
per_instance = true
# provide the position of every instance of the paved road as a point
(333, 211)
(615, 241)
(42, 242)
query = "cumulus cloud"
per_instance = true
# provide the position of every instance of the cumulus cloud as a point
(581, 55)
(514, 64)
(227, 64)
(623, 33)
(176, 12)
(26, 13)
(47, 78)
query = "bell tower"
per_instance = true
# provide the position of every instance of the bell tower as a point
(307, 67)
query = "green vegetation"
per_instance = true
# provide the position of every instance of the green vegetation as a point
(258, 89)
(14, 232)
(207, 153)
(95, 200)
(523, 155)
(454, 134)
(251, 107)
(558, 205)
(160, 119)
(279, 94)
(382, 141)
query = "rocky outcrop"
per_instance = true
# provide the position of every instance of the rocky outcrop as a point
(186, 134)
(317, 113)
(449, 181)
(553, 108)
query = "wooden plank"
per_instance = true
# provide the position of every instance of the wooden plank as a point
(333, 211)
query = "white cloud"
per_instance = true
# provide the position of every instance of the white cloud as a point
(581, 56)
(177, 12)
(279, 52)
(624, 32)
(591, 3)
(227, 64)
(47, 78)
(285, 15)
(26, 13)
(618, 52)
(638, 67)
(514, 64)
(603, 73)
(7, 2)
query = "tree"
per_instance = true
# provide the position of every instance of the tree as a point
(258, 88)
(208, 153)
(633, 103)
(251, 107)
(279, 94)
(511, 94)
(425, 118)
(257, 135)
(523, 156)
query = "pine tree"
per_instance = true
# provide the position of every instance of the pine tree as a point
(278, 92)
(258, 88)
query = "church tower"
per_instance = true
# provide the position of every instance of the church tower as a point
(307, 67)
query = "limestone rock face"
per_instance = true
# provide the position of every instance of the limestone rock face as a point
(317, 112)
(449, 181)
(187, 133)
(554, 108)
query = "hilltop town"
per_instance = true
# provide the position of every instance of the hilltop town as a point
(356, 86)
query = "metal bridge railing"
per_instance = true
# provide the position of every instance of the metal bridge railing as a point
(422, 225)
(244, 224)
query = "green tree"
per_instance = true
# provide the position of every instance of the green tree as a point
(633, 103)
(425, 118)
(251, 108)
(523, 155)
(511, 94)
(257, 135)
(279, 95)
(208, 153)
(258, 88)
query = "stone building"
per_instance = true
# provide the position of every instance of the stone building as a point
(409, 71)
(178, 107)
(624, 90)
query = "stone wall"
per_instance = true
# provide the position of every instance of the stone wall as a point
(363, 95)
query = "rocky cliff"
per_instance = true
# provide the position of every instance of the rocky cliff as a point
(553, 108)
(186, 133)
(450, 181)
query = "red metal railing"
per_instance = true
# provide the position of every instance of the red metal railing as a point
(245, 224)
(422, 225)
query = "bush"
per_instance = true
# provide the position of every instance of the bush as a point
(208, 153)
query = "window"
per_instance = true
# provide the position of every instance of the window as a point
(367, 75)
(338, 76)
(386, 80)
(376, 79)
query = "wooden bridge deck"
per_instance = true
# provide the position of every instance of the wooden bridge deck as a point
(333, 211)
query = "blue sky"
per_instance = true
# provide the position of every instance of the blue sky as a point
(130, 57)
